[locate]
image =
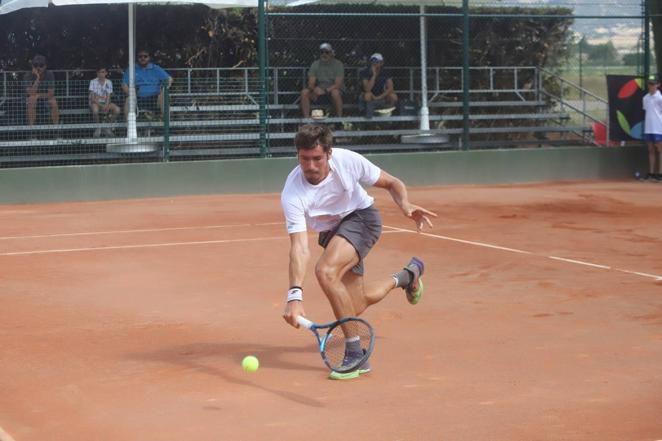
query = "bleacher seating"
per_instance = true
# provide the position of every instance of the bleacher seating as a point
(219, 117)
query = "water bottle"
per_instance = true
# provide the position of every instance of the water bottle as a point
(637, 175)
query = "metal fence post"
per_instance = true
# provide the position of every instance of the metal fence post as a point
(262, 54)
(166, 123)
(465, 74)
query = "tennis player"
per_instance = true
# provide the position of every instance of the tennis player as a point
(324, 192)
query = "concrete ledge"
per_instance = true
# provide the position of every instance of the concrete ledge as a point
(122, 181)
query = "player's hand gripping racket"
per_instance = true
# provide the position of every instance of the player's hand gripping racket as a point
(347, 343)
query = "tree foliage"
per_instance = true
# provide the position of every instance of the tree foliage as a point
(196, 36)
(96, 35)
(495, 41)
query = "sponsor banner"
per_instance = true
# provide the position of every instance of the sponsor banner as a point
(626, 115)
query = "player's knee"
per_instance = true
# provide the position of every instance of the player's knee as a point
(326, 274)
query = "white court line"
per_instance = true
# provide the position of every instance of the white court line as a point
(4, 436)
(470, 242)
(514, 250)
(148, 245)
(580, 262)
(640, 274)
(146, 230)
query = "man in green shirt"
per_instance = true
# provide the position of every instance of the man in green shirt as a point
(325, 78)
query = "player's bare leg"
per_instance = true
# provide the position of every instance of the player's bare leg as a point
(337, 259)
(366, 294)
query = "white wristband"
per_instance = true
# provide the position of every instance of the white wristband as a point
(294, 293)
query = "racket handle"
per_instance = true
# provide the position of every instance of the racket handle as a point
(302, 321)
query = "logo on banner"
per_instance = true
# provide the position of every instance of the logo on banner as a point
(626, 115)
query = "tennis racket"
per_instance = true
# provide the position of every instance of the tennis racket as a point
(350, 332)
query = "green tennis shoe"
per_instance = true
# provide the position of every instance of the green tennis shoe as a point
(413, 297)
(350, 375)
(415, 288)
(351, 358)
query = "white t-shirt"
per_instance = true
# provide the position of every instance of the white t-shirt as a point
(653, 108)
(323, 206)
(102, 91)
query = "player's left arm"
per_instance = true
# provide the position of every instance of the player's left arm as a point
(398, 191)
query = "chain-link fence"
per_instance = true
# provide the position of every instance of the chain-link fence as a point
(495, 74)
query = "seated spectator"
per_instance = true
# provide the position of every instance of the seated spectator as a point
(325, 79)
(377, 86)
(149, 79)
(101, 90)
(40, 85)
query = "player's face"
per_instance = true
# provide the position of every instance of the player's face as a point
(652, 87)
(314, 163)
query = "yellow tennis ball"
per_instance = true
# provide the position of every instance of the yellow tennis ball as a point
(250, 363)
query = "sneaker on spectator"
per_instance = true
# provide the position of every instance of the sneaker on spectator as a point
(108, 132)
(97, 132)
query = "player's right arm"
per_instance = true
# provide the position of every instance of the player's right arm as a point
(299, 257)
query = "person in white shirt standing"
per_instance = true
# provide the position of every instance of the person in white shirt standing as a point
(101, 90)
(652, 103)
(324, 192)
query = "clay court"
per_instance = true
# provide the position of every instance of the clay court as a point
(542, 320)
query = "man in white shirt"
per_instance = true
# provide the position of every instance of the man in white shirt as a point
(101, 90)
(324, 193)
(652, 103)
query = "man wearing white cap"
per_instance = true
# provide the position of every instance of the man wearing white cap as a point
(325, 78)
(377, 86)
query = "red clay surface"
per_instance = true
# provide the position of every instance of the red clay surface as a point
(128, 320)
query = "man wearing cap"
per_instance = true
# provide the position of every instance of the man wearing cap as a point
(325, 78)
(40, 84)
(652, 104)
(377, 86)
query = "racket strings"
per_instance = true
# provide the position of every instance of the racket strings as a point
(346, 345)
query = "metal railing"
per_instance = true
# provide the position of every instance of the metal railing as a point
(583, 105)
(242, 82)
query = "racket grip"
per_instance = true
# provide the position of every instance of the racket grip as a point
(302, 321)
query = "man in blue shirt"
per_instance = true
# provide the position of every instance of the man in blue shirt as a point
(150, 79)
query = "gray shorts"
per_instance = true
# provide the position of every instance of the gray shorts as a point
(361, 228)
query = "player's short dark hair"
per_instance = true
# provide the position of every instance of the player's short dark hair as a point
(310, 136)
